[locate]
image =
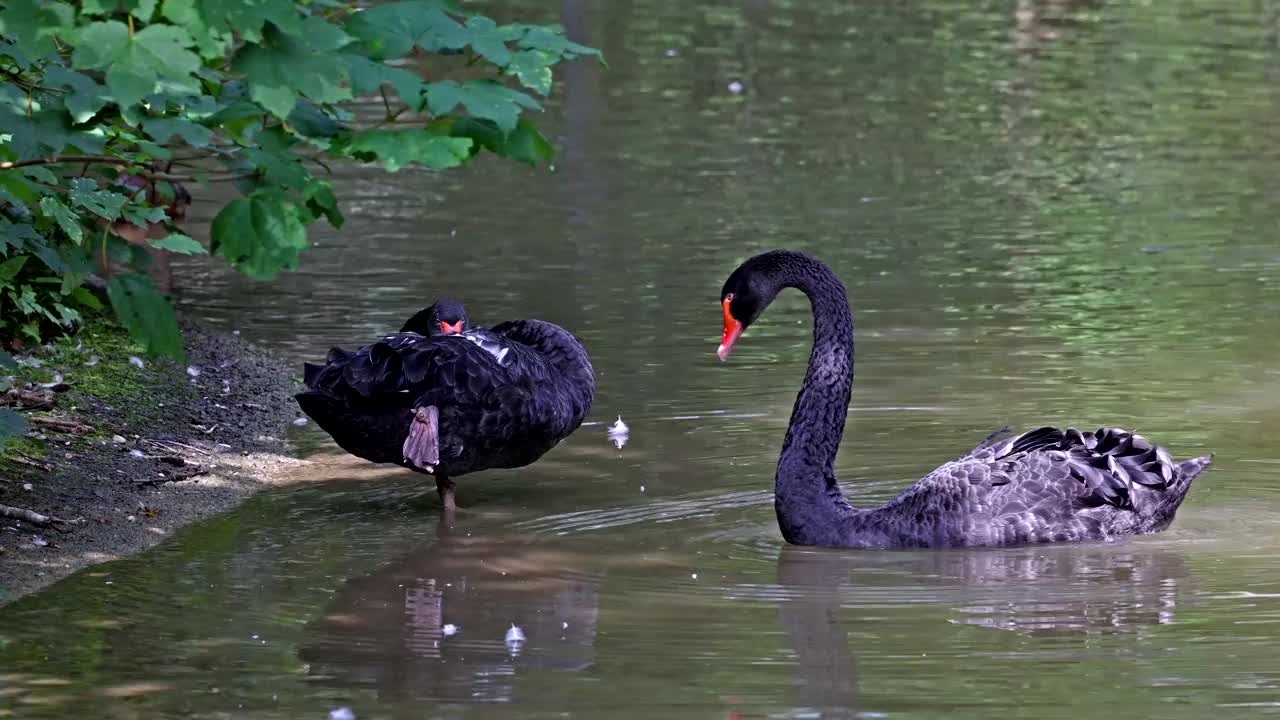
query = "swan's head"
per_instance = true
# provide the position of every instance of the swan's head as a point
(745, 295)
(446, 316)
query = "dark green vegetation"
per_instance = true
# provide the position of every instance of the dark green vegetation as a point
(115, 113)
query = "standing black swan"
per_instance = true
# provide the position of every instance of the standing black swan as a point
(445, 316)
(1047, 485)
(446, 399)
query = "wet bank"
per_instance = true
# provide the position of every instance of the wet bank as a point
(124, 449)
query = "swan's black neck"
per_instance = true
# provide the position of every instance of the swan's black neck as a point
(811, 509)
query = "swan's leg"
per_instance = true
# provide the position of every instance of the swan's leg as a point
(445, 487)
(422, 447)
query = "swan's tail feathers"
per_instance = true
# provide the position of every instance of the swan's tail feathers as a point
(1161, 513)
(1189, 469)
(310, 374)
(373, 434)
(325, 410)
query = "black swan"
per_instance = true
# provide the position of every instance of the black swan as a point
(445, 316)
(1047, 485)
(446, 399)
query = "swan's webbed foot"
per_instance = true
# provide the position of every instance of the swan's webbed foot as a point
(422, 447)
(445, 487)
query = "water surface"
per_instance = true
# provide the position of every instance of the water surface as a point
(1044, 211)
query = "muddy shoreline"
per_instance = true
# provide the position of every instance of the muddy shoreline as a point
(137, 447)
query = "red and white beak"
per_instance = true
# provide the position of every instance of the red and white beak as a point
(447, 329)
(732, 331)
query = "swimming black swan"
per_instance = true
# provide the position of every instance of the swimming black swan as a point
(452, 400)
(1047, 485)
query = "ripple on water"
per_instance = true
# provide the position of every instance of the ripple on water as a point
(689, 507)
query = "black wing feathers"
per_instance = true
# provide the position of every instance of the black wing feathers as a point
(1109, 461)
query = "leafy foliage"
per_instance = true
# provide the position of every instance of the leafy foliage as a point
(112, 113)
(11, 423)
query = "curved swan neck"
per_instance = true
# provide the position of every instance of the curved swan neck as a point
(807, 498)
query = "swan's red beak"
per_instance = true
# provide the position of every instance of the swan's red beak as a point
(447, 329)
(732, 330)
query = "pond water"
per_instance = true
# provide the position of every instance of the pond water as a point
(1045, 211)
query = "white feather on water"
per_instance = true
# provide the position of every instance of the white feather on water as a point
(514, 639)
(619, 433)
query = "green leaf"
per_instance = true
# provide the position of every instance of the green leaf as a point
(541, 37)
(131, 80)
(47, 132)
(284, 67)
(309, 120)
(136, 63)
(31, 329)
(396, 149)
(33, 24)
(146, 313)
(282, 168)
(9, 268)
(143, 215)
(66, 316)
(211, 42)
(26, 301)
(84, 297)
(18, 58)
(321, 201)
(144, 10)
(85, 97)
(97, 8)
(178, 243)
(369, 75)
(17, 190)
(66, 219)
(7, 361)
(169, 46)
(17, 236)
(238, 119)
(525, 144)
(225, 17)
(391, 29)
(40, 173)
(260, 234)
(162, 129)
(100, 44)
(482, 98)
(489, 40)
(127, 253)
(11, 424)
(103, 203)
(279, 100)
(141, 9)
(324, 35)
(49, 257)
(533, 69)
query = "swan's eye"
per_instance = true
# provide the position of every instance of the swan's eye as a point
(728, 298)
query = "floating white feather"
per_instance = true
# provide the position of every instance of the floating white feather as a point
(619, 433)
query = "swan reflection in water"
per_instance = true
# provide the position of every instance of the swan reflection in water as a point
(1060, 591)
(438, 624)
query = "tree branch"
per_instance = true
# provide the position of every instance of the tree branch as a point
(58, 159)
(119, 162)
(30, 516)
(225, 177)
